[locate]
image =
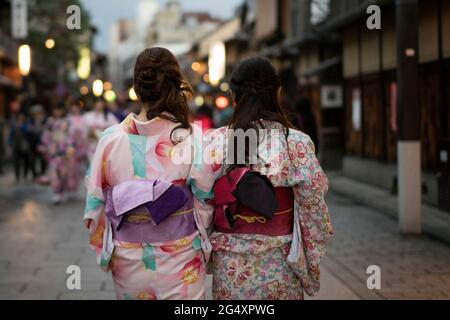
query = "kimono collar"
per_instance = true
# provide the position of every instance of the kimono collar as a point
(133, 125)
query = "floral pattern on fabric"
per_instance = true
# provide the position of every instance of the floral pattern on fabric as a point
(147, 272)
(249, 276)
(287, 161)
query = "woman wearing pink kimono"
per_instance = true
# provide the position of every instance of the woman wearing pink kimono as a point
(146, 185)
(59, 145)
(275, 256)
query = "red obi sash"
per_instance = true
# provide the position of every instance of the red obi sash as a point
(242, 220)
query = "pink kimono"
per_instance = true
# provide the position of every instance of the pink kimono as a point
(167, 262)
(59, 143)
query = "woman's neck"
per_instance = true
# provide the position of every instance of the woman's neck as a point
(142, 116)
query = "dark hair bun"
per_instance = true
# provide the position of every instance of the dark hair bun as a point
(160, 86)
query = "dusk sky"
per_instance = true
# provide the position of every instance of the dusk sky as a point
(106, 12)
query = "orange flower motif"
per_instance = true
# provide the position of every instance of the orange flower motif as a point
(97, 237)
(191, 271)
(144, 295)
(176, 245)
(165, 150)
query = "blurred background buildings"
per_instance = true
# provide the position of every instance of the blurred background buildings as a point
(324, 52)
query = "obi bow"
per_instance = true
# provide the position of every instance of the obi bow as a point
(156, 198)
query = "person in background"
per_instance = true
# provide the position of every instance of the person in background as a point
(58, 144)
(117, 110)
(36, 125)
(2, 144)
(204, 115)
(77, 132)
(21, 149)
(304, 120)
(96, 121)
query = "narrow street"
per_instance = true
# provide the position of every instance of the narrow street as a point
(39, 241)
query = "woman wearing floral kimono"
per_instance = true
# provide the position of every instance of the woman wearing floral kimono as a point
(255, 257)
(146, 186)
(78, 131)
(59, 144)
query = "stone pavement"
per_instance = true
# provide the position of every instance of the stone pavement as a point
(38, 241)
(435, 222)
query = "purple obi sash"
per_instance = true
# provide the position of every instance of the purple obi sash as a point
(143, 211)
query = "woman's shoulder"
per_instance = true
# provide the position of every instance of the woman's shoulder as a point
(111, 134)
(299, 137)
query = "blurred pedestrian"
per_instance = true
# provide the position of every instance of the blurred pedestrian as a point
(117, 110)
(2, 144)
(20, 145)
(78, 133)
(36, 127)
(96, 121)
(204, 116)
(59, 144)
(303, 119)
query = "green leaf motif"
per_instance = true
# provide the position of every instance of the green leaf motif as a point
(148, 258)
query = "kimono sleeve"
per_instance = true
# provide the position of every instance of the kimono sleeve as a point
(313, 223)
(96, 182)
(201, 178)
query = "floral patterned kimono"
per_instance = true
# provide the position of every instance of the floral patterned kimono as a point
(59, 144)
(78, 131)
(173, 268)
(251, 266)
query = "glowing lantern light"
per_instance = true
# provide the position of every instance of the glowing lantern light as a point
(50, 43)
(107, 85)
(84, 64)
(224, 87)
(216, 62)
(24, 56)
(97, 88)
(199, 101)
(84, 90)
(195, 66)
(110, 96)
(132, 94)
(221, 102)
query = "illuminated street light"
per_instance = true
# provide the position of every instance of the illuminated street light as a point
(84, 90)
(107, 85)
(216, 62)
(84, 64)
(221, 102)
(97, 88)
(50, 43)
(109, 95)
(199, 101)
(224, 87)
(195, 66)
(24, 55)
(132, 94)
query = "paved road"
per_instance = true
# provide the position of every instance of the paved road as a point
(38, 241)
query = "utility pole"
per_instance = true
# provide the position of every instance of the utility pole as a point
(408, 117)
